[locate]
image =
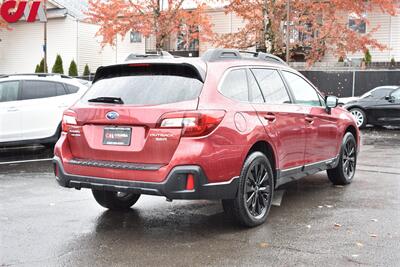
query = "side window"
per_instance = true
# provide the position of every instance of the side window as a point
(255, 93)
(381, 93)
(272, 86)
(302, 91)
(38, 89)
(60, 89)
(71, 88)
(396, 94)
(234, 85)
(9, 91)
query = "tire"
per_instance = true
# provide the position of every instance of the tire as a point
(115, 200)
(256, 186)
(344, 172)
(360, 117)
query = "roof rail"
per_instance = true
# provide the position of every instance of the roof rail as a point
(37, 74)
(161, 54)
(223, 54)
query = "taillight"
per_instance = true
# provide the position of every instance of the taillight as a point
(193, 123)
(68, 120)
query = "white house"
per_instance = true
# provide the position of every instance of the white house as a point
(388, 34)
(21, 48)
(74, 39)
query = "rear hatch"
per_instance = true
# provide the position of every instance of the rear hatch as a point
(117, 119)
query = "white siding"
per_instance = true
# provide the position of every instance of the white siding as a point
(61, 39)
(222, 23)
(21, 48)
(388, 34)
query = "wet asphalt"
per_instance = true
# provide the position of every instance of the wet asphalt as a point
(42, 224)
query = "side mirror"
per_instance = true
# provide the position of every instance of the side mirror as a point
(331, 102)
(389, 98)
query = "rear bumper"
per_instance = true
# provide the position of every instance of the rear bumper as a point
(173, 187)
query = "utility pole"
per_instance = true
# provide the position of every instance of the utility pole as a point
(45, 37)
(288, 32)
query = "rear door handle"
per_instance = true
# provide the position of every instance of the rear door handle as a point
(270, 117)
(12, 109)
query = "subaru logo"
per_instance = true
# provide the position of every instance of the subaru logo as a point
(112, 115)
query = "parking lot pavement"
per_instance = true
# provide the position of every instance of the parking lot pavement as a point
(42, 224)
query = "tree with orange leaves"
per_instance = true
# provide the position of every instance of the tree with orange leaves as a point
(150, 18)
(316, 27)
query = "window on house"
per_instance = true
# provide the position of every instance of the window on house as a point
(357, 23)
(135, 37)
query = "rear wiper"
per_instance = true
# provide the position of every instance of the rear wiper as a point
(107, 99)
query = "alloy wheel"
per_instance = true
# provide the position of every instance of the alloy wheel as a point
(257, 191)
(358, 116)
(349, 159)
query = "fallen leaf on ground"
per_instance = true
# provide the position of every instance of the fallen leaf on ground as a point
(338, 225)
(329, 206)
(264, 245)
(359, 244)
(373, 235)
(320, 207)
(374, 220)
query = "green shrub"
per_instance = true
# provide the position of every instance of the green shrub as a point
(40, 67)
(86, 71)
(367, 57)
(392, 62)
(58, 66)
(73, 69)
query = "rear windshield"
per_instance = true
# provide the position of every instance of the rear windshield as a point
(141, 87)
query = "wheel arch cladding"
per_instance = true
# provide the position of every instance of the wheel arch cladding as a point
(265, 148)
(351, 129)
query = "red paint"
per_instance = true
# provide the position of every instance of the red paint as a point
(190, 182)
(12, 15)
(214, 143)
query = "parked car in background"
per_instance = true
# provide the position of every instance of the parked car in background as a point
(223, 126)
(377, 92)
(31, 107)
(379, 107)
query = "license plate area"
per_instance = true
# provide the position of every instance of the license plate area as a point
(117, 136)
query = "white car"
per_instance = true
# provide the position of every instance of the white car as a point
(31, 107)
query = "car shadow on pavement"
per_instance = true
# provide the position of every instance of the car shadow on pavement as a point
(206, 218)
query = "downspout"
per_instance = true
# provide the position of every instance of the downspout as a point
(77, 44)
(390, 38)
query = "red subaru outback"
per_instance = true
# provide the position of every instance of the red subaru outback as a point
(225, 126)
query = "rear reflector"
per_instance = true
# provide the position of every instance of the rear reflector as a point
(190, 182)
